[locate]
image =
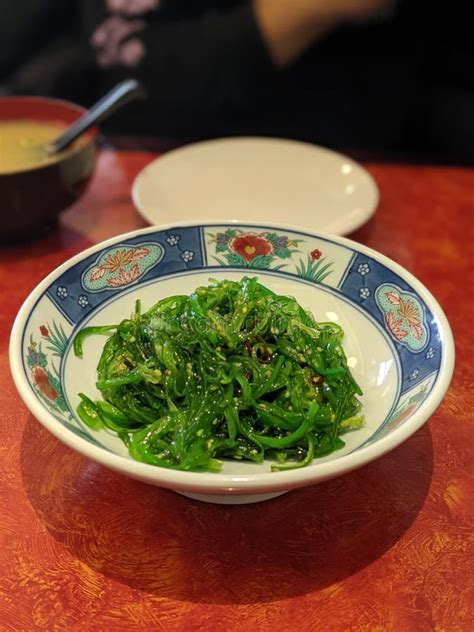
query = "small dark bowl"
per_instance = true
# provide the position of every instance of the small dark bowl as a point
(32, 200)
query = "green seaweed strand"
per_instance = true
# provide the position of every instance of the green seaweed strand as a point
(232, 371)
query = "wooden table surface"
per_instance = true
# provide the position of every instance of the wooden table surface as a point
(388, 548)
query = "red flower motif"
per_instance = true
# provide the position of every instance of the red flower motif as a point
(116, 259)
(124, 277)
(41, 380)
(44, 331)
(409, 315)
(395, 326)
(315, 254)
(250, 245)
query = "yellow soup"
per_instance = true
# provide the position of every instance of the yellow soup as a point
(22, 144)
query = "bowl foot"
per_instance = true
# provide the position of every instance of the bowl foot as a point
(222, 499)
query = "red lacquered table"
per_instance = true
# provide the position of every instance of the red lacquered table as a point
(388, 548)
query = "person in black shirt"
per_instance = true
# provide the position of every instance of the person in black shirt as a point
(342, 73)
(217, 67)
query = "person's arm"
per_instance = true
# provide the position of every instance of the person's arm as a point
(290, 27)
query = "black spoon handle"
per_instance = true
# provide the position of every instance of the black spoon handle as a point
(120, 95)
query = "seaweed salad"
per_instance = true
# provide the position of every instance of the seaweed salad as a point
(232, 371)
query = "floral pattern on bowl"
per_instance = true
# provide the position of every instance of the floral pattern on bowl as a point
(120, 266)
(404, 316)
(44, 353)
(246, 249)
(44, 373)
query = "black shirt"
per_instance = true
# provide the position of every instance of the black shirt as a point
(208, 73)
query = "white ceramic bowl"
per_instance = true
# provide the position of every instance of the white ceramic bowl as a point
(397, 339)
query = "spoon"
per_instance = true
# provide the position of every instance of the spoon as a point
(123, 93)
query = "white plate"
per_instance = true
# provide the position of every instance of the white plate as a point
(257, 179)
